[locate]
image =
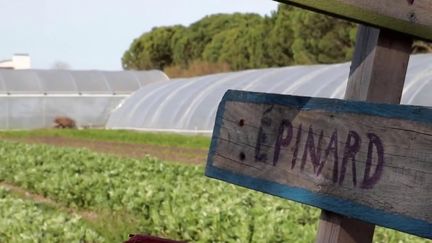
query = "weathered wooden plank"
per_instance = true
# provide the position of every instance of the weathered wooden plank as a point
(379, 66)
(367, 161)
(413, 17)
(377, 74)
(338, 228)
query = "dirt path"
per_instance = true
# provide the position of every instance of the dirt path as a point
(184, 155)
(24, 194)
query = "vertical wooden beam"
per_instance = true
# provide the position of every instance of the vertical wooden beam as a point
(338, 228)
(377, 74)
(379, 66)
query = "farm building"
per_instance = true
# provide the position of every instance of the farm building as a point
(33, 98)
(189, 105)
(18, 61)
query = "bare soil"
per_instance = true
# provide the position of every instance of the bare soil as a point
(177, 154)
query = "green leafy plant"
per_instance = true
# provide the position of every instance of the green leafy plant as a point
(169, 200)
(25, 221)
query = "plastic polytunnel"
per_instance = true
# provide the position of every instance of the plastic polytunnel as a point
(189, 105)
(33, 98)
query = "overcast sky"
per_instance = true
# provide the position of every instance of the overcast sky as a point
(93, 34)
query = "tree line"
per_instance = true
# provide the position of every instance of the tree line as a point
(238, 41)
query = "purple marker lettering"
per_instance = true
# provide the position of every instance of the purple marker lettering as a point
(369, 181)
(315, 154)
(281, 141)
(352, 146)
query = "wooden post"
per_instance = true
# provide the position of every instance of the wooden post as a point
(261, 152)
(357, 159)
(338, 228)
(379, 66)
(377, 74)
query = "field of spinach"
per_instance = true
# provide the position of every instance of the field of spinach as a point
(25, 221)
(159, 198)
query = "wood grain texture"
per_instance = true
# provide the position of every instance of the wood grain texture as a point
(405, 16)
(339, 228)
(377, 74)
(379, 66)
(367, 161)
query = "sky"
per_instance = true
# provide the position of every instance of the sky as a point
(94, 34)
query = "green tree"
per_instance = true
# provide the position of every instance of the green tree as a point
(288, 36)
(192, 44)
(321, 39)
(241, 47)
(280, 38)
(152, 50)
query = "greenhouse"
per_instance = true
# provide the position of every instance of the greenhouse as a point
(189, 105)
(34, 98)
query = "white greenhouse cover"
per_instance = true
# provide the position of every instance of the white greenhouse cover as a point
(189, 105)
(33, 98)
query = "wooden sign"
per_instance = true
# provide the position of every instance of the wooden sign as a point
(372, 162)
(412, 17)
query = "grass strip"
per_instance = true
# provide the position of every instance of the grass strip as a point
(135, 137)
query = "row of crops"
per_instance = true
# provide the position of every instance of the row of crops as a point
(26, 221)
(146, 196)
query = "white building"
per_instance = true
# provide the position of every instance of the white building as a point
(18, 61)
